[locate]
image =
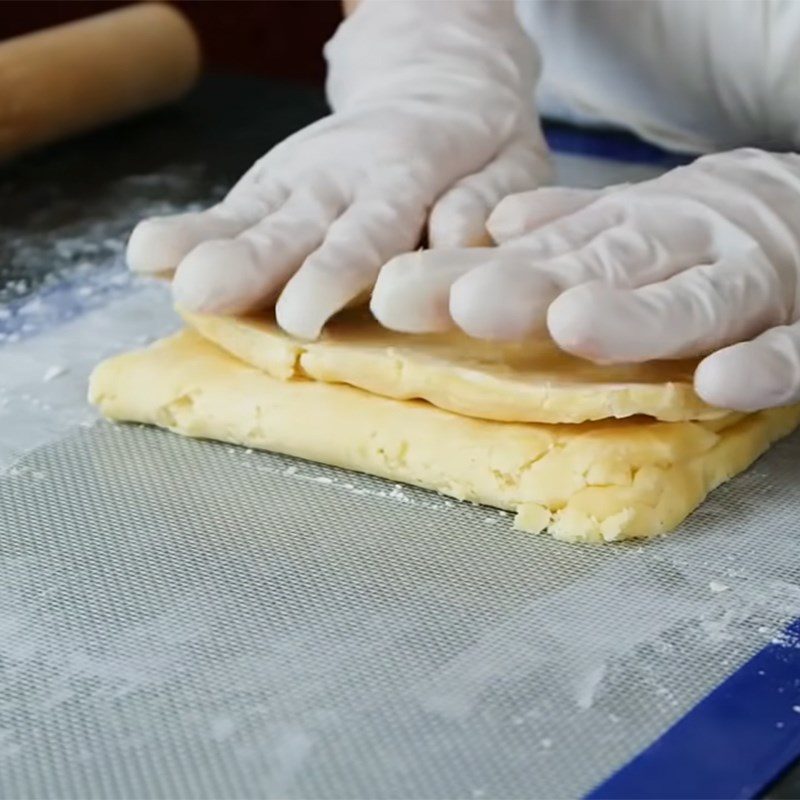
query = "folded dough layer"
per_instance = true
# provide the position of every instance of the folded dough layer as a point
(596, 481)
(531, 381)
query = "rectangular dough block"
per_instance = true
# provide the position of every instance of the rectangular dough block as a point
(596, 481)
(530, 381)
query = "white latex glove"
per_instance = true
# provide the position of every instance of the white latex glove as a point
(704, 259)
(432, 112)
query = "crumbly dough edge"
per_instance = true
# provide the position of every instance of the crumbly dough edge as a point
(594, 482)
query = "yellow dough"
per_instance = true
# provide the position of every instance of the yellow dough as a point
(607, 480)
(530, 381)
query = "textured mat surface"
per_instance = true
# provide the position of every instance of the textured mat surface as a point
(186, 619)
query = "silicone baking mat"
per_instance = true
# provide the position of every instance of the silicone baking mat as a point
(188, 619)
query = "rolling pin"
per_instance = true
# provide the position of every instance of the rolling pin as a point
(74, 77)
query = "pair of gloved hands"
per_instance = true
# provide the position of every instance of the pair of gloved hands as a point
(433, 123)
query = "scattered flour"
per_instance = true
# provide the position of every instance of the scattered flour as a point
(53, 372)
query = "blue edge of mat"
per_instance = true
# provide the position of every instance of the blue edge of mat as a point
(611, 144)
(742, 736)
(733, 744)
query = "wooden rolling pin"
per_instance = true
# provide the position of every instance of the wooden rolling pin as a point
(73, 77)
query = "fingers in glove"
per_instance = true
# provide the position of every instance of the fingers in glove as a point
(523, 213)
(693, 312)
(566, 235)
(502, 300)
(620, 240)
(412, 293)
(749, 376)
(229, 276)
(371, 231)
(508, 295)
(458, 218)
(159, 244)
(625, 256)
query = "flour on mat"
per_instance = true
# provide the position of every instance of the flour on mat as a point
(67, 301)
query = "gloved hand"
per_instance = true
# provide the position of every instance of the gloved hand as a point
(702, 260)
(433, 111)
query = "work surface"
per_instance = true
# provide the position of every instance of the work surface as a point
(181, 619)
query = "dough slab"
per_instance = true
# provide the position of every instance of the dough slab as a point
(530, 381)
(596, 481)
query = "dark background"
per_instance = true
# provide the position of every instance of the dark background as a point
(275, 38)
